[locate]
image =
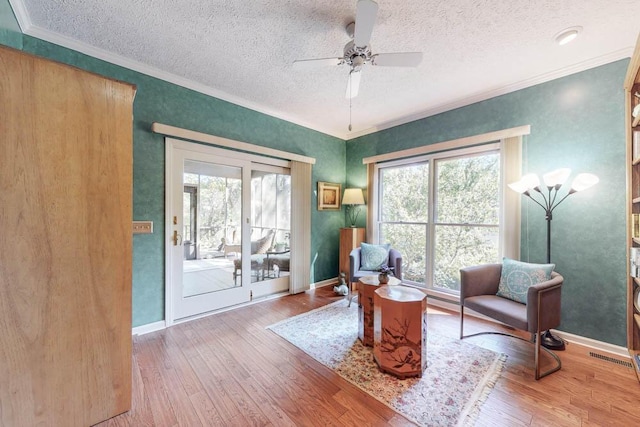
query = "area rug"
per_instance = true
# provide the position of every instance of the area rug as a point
(458, 378)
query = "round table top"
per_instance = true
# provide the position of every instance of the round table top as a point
(373, 280)
(400, 293)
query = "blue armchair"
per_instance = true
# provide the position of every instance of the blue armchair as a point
(395, 262)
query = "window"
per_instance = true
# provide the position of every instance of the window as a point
(442, 212)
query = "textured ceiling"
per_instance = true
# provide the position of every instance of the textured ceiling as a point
(242, 51)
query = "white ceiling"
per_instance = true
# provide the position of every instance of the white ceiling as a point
(242, 51)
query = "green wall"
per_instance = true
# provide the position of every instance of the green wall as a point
(576, 122)
(10, 33)
(159, 101)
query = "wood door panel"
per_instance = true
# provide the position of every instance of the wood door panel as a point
(65, 246)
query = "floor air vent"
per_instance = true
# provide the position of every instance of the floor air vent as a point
(625, 363)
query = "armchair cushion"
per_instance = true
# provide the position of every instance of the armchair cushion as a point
(395, 261)
(517, 277)
(374, 256)
(263, 244)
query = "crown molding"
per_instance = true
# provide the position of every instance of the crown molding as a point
(28, 28)
(122, 61)
(483, 96)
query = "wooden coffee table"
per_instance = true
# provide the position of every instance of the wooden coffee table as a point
(366, 287)
(400, 330)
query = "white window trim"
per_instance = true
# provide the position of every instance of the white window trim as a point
(374, 211)
(451, 145)
(510, 148)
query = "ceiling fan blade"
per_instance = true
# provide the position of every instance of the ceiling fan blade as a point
(313, 63)
(353, 84)
(366, 11)
(403, 59)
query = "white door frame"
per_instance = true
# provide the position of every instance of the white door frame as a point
(174, 155)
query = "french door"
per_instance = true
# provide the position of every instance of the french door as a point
(227, 228)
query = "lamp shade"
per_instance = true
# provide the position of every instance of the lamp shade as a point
(583, 181)
(353, 196)
(556, 178)
(519, 186)
(531, 180)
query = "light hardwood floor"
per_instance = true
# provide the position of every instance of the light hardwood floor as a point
(228, 370)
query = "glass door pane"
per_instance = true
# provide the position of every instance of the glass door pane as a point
(270, 229)
(205, 199)
(211, 221)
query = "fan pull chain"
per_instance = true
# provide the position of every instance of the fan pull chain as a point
(349, 115)
(350, 98)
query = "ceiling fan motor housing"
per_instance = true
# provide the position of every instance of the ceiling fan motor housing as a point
(356, 56)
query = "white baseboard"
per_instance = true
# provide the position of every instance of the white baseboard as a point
(149, 327)
(158, 326)
(595, 344)
(571, 338)
(449, 305)
(323, 283)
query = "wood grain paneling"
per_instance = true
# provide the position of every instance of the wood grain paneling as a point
(65, 245)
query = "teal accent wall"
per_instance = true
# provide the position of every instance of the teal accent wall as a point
(10, 34)
(576, 122)
(159, 101)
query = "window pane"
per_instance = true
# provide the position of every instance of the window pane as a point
(411, 242)
(468, 190)
(191, 178)
(405, 193)
(458, 247)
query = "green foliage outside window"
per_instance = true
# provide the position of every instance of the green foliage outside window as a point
(466, 206)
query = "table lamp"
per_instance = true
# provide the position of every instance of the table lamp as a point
(353, 199)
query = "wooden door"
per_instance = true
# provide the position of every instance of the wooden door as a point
(65, 245)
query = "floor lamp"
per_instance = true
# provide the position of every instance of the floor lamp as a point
(553, 181)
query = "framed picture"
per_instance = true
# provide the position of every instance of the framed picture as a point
(328, 196)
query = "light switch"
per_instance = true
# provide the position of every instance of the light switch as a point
(142, 227)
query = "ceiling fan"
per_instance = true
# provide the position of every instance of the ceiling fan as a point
(357, 52)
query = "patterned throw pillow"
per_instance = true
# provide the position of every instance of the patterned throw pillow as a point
(517, 277)
(372, 257)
